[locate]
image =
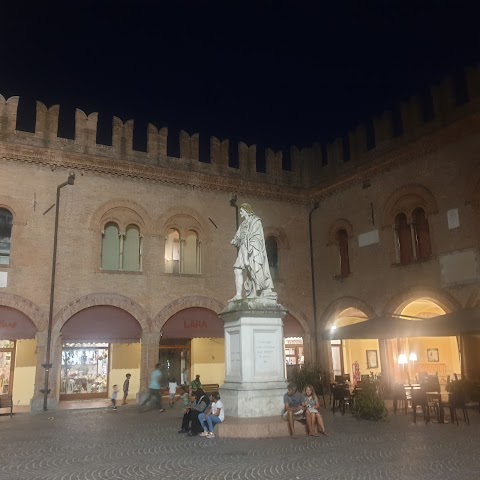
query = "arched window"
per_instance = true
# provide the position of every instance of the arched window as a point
(422, 234)
(121, 251)
(6, 219)
(271, 246)
(342, 240)
(182, 255)
(111, 247)
(172, 252)
(132, 244)
(404, 239)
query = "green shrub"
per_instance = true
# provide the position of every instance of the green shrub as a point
(308, 375)
(369, 404)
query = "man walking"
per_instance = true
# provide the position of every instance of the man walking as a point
(154, 388)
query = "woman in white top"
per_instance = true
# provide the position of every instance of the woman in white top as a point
(216, 415)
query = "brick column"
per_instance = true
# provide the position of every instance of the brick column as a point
(149, 357)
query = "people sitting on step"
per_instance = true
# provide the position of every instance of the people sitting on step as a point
(293, 401)
(212, 416)
(311, 406)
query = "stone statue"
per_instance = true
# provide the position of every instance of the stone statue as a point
(251, 268)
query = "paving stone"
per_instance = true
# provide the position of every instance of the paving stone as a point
(126, 444)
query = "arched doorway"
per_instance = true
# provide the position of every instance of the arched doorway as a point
(354, 357)
(293, 334)
(192, 343)
(416, 356)
(100, 345)
(18, 358)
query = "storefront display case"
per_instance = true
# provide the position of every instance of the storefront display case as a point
(84, 372)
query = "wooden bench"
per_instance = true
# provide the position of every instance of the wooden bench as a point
(6, 401)
(210, 388)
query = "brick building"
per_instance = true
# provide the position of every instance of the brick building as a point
(387, 217)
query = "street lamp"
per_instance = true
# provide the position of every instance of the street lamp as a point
(47, 365)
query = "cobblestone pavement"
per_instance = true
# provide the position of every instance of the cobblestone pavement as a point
(125, 444)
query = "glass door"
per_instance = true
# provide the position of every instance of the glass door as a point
(7, 364)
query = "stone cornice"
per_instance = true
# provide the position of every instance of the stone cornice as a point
(378, 161)
(373, 163)
(154, 173)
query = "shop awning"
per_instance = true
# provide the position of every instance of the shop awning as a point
(195, 322)
(15, 325)
(102, 323)
(456, 323)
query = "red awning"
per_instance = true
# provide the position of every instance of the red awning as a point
(195, 322)
(102, 323)
(292, 327)
(15, 325)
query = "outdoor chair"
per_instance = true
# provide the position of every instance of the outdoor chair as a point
(419, 399)
(457, 401)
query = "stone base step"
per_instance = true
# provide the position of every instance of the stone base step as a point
(260, 427)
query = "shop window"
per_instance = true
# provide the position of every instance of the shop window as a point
(342, 241)
(422, 234)
(84, 372)
(294, 355)
(271, 246)
(182, 255)
(7, 362)
(6, 219)
(121, 251)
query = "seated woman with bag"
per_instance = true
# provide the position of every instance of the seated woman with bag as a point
(190, 417)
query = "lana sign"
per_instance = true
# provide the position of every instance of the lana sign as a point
(193, 322)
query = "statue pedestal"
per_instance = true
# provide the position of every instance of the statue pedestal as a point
(254, 358)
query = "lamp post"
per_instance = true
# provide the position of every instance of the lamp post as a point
(47, 365)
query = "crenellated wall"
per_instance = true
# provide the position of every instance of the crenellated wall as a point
(312, 166)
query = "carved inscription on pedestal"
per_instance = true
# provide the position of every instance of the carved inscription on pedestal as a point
(264, 349)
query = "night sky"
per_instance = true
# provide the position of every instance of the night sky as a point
(274, 73)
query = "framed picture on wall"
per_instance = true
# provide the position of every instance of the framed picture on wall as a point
(372, 359)
(432, 354)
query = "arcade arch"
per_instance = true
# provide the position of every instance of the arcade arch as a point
(20, 320)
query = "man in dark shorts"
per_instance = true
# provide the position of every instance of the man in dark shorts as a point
(293, 401)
